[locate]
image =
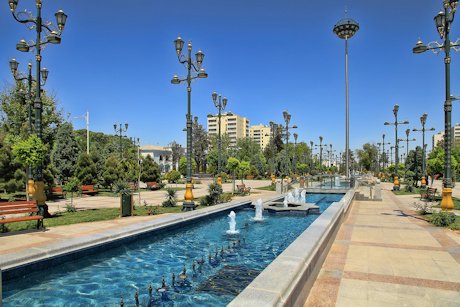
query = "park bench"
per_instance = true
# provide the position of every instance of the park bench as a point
(153, 185)
(16, 208)
(55, 191)
(243, 189)
(132, 186)
(87, 189)
(429, 193)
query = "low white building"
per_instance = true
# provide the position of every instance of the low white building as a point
(162, 155)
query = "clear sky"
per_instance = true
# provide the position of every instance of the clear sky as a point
(117, 59)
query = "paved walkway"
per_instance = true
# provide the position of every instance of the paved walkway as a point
(386, 255)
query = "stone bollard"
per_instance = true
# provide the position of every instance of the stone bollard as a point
(278, 187)
(301, 182)
(378, 191)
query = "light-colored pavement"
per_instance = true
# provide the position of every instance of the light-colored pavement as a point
(386, 255)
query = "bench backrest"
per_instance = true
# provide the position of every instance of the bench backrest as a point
(87, 187)
(152, 183)
(432, 190)
(55, 189)
(18, 207)
(241, 186)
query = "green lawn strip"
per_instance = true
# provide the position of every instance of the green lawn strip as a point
(454, 199)
(267, 188)
(85, 216)
(453, 226)
(403, 191)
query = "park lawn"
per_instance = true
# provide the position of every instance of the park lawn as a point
(86, 216)
(270, 187)
(404, 192)
(453, 226)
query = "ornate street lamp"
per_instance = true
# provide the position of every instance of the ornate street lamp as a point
(221, 104)
(194, 71)
(321, 152)
(119, 132)
(287, 119)
(379, 155)
(330, 156)
(443, 22)
(295, 155)
(273, 128)
(407, 140)
(345, 29)
(396, 123)
(19, 77)
(423, 121)
(383, 150)
(53, 36)
(311, 156)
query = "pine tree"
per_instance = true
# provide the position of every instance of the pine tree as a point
(85, 169)
(110, 174)
(150, 170)
(65, 152)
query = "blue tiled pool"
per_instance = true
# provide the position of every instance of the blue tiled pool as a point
(100, 280)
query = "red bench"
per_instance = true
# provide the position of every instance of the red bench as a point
(88, 189)
(243, 189)
(21, 207)
(153, 185)
(56, 191)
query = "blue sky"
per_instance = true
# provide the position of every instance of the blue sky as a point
(117, 59)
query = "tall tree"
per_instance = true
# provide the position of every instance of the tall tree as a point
(65, 153)
(199, 144)
(247, 147)
(150, 170)
(110, 174)
(414, 164)
(176, 150)
(367, 156)
(85, 169)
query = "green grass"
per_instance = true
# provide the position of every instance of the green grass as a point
(454, 199)
(404, 192)
(86, 216)
(453, 226)
(271, 187)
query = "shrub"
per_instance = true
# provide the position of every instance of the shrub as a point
(409, 186)
(172, 176)
(70, 208)
(170, 198)
(121, 186)
(213, 197)
(440, 219)
(422, 209)
(224, 176)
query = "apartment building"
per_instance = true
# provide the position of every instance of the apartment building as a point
(234, 125)
(455, 137)
(260, 134)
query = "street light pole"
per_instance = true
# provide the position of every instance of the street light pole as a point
(295, 156)
(18, 76)
(198, 72)
(86, 116)
(311, 156)
(321, 152)
(345, 29)
(221, 104)
(396, 123)
(119, 132)
(423, 121)
(407, 140)
(287, 119)
(383, 151)
(51, 36)
(443, 21)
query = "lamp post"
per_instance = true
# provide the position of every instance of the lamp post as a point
(396, 123)
(423, 121)
(330, 156)
(295, 155)
(383, 150)
(287, 119)
(321, 152)
(345, 29)
(53, 36)
(273, 128)
(19, 77)
(391, 154)
(221, 104)
(379, 155)
(443, 21)
(119, 132)
(407, 140)
(194, 71)
(311, 156)
(86, 116)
